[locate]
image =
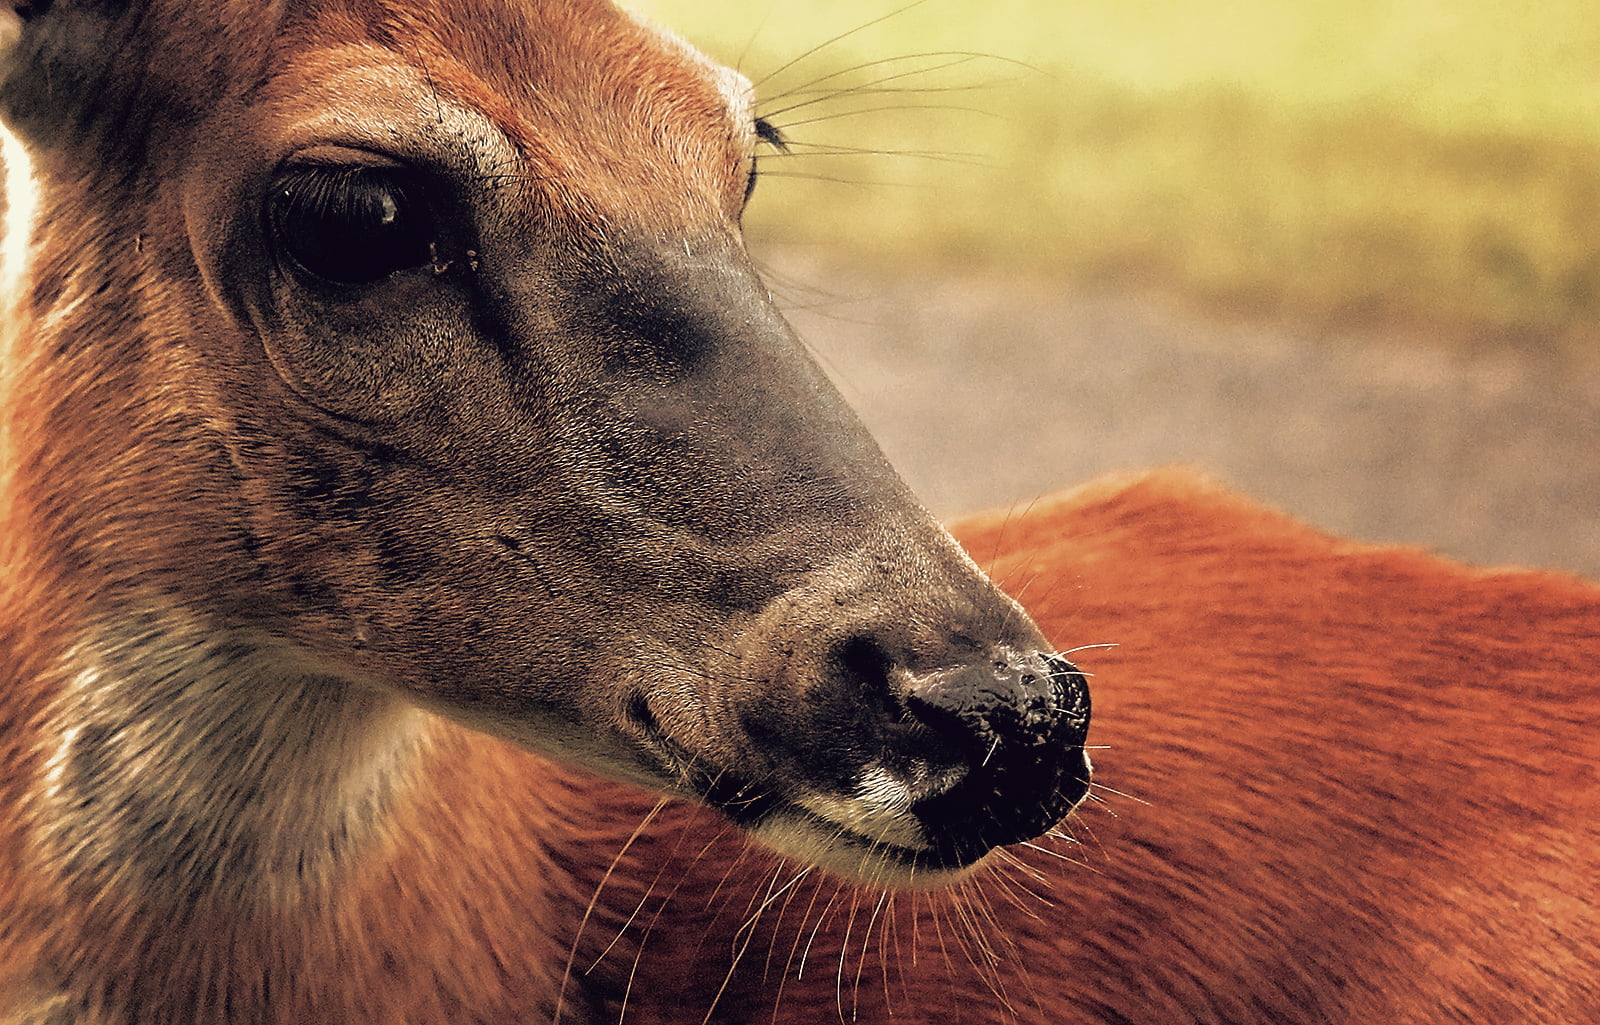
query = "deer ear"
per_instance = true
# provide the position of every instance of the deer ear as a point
(55, 63)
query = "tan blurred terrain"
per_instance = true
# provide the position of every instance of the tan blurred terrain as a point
(988, 392)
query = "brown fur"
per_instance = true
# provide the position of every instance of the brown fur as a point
(247, 536)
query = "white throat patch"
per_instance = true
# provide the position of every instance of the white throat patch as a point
(208, 766)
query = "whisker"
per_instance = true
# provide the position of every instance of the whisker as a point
(877, 88)
(594, 899)
(837, 180)
(866, 948)
(793, 888)
(981, 955)
(1054, 854)
(1004, 886)
(844, 951)
(1033, 874)
(986, 909)
(1097, 785)
(1092, 647)
(772, 897)
(808, 88)
(804, 957)
(892, 931)
(1083, 824)
(794, 948)
(841, 37)
(815, 150)
(761, 26)
(735, 960)
(655, 919)
(853, 110)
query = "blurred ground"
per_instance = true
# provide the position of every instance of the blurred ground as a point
(985, 392)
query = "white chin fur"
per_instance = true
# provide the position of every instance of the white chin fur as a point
(849, 854)
(869, 835)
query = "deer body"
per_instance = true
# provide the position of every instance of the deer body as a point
(1370, 793)
(407, 482)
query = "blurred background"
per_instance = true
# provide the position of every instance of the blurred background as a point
(1340, 254)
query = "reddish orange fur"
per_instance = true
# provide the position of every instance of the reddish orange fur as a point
(1341, 784)
(1362, 787)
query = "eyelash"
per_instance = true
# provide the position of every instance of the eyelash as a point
(770, 134)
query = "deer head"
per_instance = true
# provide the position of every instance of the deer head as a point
(412, 349)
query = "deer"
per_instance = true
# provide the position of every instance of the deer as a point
(437, 586)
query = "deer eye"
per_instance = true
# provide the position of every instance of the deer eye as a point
(351, 225)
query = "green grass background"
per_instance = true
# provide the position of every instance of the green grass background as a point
(1436, 160)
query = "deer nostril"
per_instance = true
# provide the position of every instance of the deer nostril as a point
(1020, 722)
(863, 663)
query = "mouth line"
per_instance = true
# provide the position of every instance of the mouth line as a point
(753, 808)
(689, 775)
(956, 853)
(678, 765)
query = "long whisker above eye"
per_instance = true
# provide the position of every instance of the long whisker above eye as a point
(835, 40)
(874, 88)
(944, 58)
(823, 149)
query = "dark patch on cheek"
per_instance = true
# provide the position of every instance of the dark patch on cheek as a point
(664, 351)
(251, 545)
(315, 481)
(332, 486)
(313, 592)
(649, 331)
(344, 491)
(743, 590)
(652, 452)
(330, 476)
(402, 561)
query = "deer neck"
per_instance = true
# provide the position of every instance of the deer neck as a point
(217, 769)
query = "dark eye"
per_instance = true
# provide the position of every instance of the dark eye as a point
(352, 225)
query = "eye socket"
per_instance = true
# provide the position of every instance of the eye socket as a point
(351, 225)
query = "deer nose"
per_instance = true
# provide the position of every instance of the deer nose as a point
(1004, 706)
(1014, 727)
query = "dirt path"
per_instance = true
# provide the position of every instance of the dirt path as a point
(986, 393)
